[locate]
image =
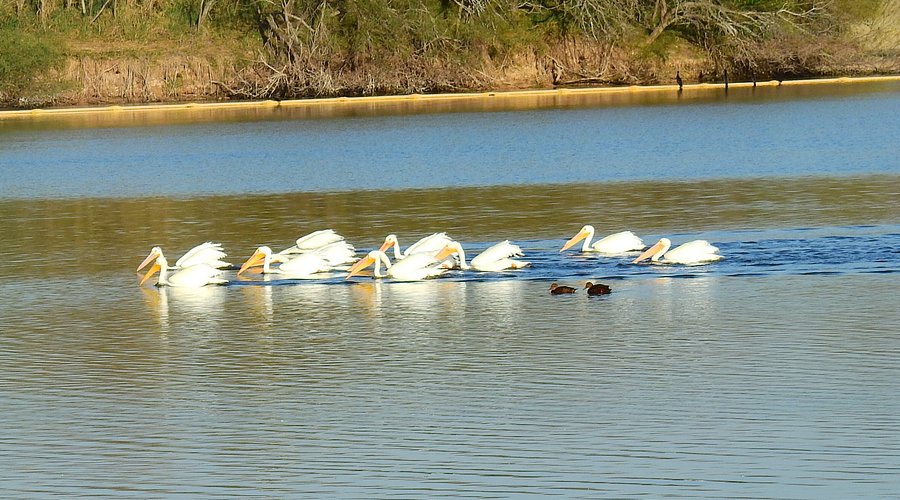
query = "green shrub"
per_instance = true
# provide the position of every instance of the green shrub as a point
(25, 55)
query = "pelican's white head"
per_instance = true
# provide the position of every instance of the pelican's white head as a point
(154, 253)
(389, 241)
(454, 247)
(262, 256)
(586, 231)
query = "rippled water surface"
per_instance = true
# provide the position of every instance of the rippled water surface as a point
(772, 373)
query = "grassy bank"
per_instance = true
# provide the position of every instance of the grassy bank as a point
(60, 52)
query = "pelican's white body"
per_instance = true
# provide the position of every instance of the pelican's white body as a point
(321, 260)
(314, 241)
(430, 244)
(614, 244)
(690, 253)
(495, 258)
(415, 267)
(189, 277)
(207, 253)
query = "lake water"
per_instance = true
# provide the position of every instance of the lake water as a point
(773, 373)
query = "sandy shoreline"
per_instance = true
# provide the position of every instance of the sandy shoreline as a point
(421, 98)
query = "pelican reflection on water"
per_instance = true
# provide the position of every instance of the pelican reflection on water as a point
(201, 307)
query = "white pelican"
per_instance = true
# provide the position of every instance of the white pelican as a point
(495, 258)
(337, 253)
(429, 244)
(692, 252)
(313, 241)
(415, 267)
(616, 243)
(189, 277)
(301, 265)
(206, 253)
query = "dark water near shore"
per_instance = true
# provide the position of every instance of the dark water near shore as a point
(772, 373)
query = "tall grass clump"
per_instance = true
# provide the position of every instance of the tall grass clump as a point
(24, 57)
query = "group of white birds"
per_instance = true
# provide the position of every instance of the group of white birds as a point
(326, 251)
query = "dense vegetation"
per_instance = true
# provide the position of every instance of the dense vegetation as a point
(291, 48)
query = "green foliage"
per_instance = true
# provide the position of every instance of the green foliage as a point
(856, 10)
(235, 15)
(659, 48)
(759, 5)
(181, 14)
(25, 55)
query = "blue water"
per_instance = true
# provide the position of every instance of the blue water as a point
(731, 138)
(770, 374)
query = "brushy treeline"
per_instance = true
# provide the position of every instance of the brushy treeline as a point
(354, 47)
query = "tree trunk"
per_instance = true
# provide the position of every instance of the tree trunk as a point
(45, 10)
(205, 7)
(666, 18)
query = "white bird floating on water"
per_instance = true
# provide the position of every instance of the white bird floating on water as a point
(692, 252)
(616, 243)
(206, 253)
(320, 260)
(189, 277)
(495, 258)
(430, 244)
(313, 241)
(415, 267)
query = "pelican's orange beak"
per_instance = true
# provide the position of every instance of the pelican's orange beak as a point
(150, 258)
(575, 239)
(361, 264)
(255, 260)
(151, 272)
(445, 252)
(384, 246)
(649, 252)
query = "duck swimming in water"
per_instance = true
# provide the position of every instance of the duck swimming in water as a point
(598, 289)
(556, 289)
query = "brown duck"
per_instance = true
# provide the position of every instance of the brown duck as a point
(555, 289)
(598, 289)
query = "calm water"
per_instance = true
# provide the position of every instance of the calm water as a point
(770, 374)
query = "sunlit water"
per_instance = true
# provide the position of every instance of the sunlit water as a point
(772, 373)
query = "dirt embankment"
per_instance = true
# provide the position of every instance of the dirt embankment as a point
(192, 71)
